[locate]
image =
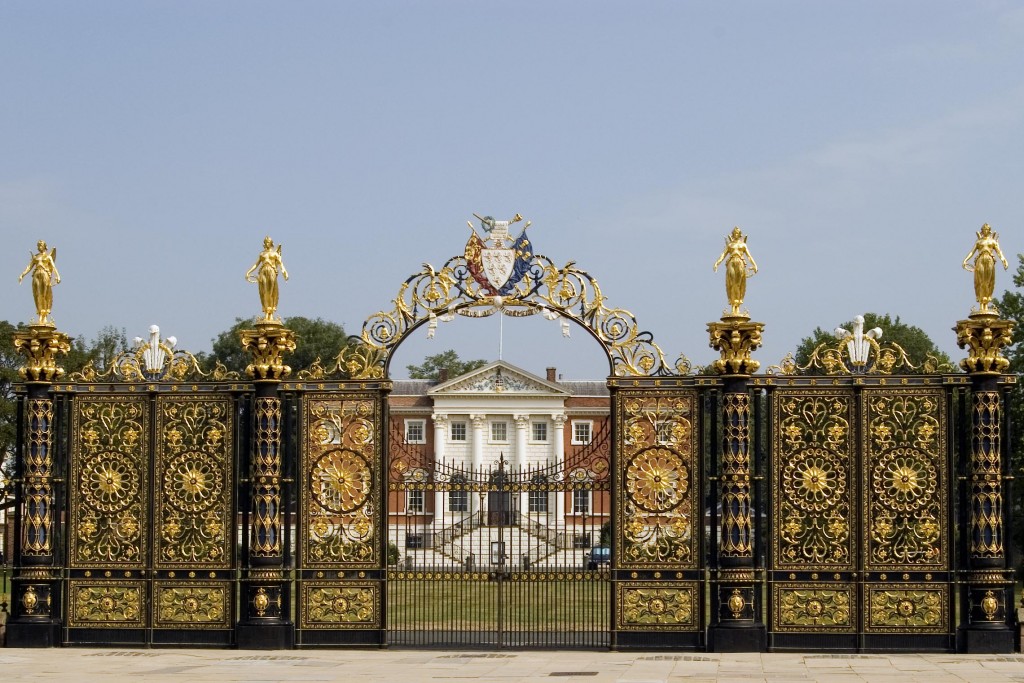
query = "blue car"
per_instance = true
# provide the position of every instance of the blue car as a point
(599, 557)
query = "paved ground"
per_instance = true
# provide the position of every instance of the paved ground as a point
(410, 666)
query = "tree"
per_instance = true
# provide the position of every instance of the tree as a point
(106, 345)
(446, 360)
(913, 340)
(317, 338)
(1011, 307)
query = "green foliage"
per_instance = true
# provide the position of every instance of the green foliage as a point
(317, 338)
(1011, 307)
(912, 339)
(446, 360)
(392, 553)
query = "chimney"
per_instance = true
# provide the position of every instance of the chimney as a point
(551, 375)
(442, 375)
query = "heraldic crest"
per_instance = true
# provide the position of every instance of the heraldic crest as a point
(498, 262)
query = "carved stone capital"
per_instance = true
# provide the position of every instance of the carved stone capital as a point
(268, 344)
(559, 420)
(735, 337)
(984, 336)
(41, 345)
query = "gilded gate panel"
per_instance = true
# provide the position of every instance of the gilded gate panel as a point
(905, 502)
(813, 475)
(192, 605)
(194, 482)
(652, 606)
(109, 482)
(814, 607)
(340, 491)
(659, 480)
(907, 608)
(118, 604)
(335, 605)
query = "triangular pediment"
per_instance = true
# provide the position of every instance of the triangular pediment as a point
(496, 378)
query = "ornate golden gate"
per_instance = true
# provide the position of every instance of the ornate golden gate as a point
(161, 503)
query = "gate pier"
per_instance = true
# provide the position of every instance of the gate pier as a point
(265, 606)
(35, 588)
(737, 624)
(988, 600)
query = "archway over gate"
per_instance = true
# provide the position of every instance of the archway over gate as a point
(499, 546)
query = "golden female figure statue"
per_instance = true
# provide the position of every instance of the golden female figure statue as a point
(737, 269)
(266, 266)
(984, 252)
(43, 267)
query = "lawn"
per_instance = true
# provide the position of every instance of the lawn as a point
(474, 605)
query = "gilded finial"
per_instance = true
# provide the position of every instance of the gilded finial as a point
(984, 252)
(43, 267)
(739, 265)
(266, 269)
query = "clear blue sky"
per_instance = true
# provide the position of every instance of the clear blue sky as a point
(860, 145)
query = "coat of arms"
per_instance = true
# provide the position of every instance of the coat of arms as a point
(498, 262)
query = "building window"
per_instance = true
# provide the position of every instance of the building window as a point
(414, 502)
(582, 431)
(540, 431)
(581, 502)
(538, 501)
(458, 431)
(415, 431)
(665, 432)
(458, 501)
(499, 431)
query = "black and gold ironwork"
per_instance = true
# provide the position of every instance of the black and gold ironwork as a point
(568, 293)
(42, 346)
(152, 528)
(659, 572)
(860, 498)
(521, 558)
(984, 334)
(340, 532)
(848, 506)
(736, 612)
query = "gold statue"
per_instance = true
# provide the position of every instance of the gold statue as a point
(984, 252)
(43, 267)
(737, 269)
(267, 264)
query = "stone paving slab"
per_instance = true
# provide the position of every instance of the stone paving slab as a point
(82, 665)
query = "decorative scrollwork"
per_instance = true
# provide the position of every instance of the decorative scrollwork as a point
(902, 610)
(340, 493)
(657, 606)
(805, 608)
(194, 471)
(351, 606)
(37, 485)
(567, 292)
(905, 447)
(192, 605)
(106, 604)
(110, 491)
(813, 443)
(657, 499)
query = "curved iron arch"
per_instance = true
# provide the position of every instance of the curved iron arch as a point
(431, 296)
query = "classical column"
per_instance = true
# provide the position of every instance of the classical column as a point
(265, 622)
(35, 588)
(479, 421)
(735, 626)
(989, 581)
(440, 437)
(559, 455)
(522, 425)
